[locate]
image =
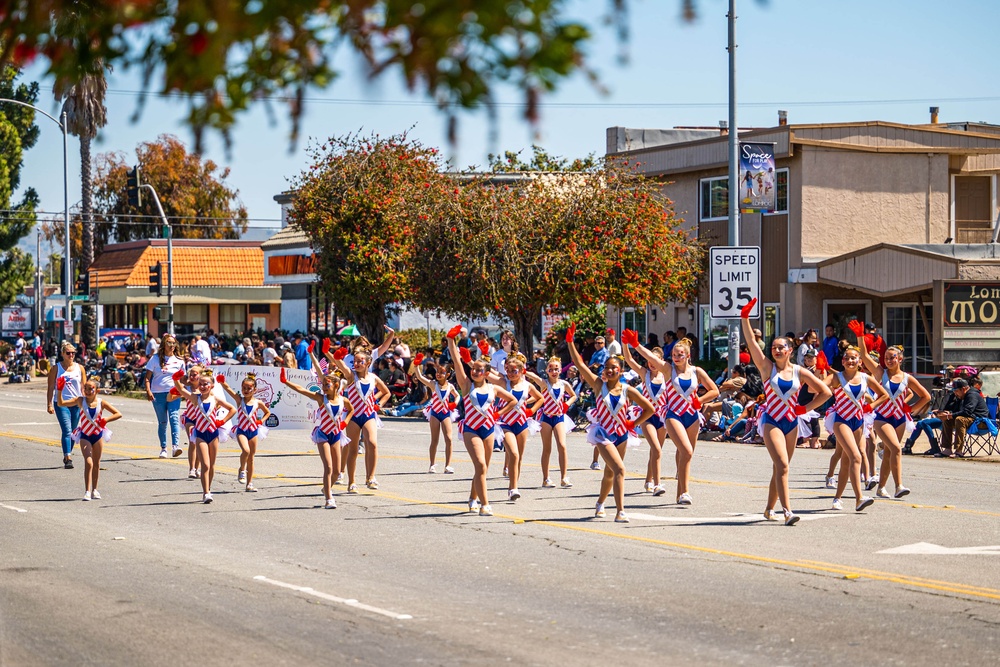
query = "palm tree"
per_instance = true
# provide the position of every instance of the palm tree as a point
(83, 104)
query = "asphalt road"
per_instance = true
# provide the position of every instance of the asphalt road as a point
(403, 575)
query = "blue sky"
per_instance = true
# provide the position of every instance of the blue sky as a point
(830, 61)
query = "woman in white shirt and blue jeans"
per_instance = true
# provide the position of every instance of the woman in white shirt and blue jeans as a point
(159, 382)
(72, 376)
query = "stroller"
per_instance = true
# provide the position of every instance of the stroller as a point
(21, 369)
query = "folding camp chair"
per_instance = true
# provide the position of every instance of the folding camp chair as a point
(981, 438)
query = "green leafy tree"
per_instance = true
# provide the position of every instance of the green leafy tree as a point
(361, 202)
(221, 56)
(513, 244)
(18, 133)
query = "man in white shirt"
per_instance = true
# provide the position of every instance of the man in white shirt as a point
(269, 354)
(152, 346)
(201, 352)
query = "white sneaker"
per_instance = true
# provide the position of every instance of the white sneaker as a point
(448, 470)
(87, 495)
(831, 483)
(361, 448)
(193, 474)
(547, 484)
(865, 501)
(207, 498)
(790, 519)
(595, 466)
(513, 494)
(659, 490)
(684, 499)
(163, 453)
(340, 479)
(882, 493)
(473, 505)
(331, 504)
(621, 518)
(432, 469)
(838, 504)
(95, 494)
(251, 488)
(485, 510)
(506, 474)
(901, 491)
(599, 510)
(242, 476)
(565, 483)
(769, 515)
(178, 451)
(648, 487)
(372, 484)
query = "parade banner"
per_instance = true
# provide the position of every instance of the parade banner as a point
(289, 409)
(758, 181)
(114, 334)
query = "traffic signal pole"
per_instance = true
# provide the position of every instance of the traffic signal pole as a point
(734, 203)
(170, 259)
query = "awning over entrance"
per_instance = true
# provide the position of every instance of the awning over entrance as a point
(886, 269)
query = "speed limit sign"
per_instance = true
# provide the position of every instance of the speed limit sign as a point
(734, 280)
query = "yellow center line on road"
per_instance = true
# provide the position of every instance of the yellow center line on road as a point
(846, 571)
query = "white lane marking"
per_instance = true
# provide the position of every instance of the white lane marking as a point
(927, 548)
(738, 518)
(16, 509)
(333, 598)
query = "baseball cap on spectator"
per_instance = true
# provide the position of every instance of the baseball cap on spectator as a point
(286, 345)
(870, 326)
(811, 352)
(959, 383)
(610, 332)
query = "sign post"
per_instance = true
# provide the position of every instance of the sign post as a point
(734, 279)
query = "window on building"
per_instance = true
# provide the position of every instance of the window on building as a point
(635, 320)
(232, 318)
(321, 311)
(715, 198)
(781, 201)
(904, 326)
(190, 318)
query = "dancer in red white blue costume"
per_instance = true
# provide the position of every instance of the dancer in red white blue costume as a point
(367, 393)
(654, 388)
(250, 415)
(519, 422)
(441, 412)
(558, 395)
(780, 421)
(612, 427)
(91, 432)
(479, 427)
(209, 427)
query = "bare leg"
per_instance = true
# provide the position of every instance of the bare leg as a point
(448, 441)
(435, 434)
(354, 435)
(244, 444)
(851, 458)
(88, 464)
(371, 449)
(559, 433)
(546, 449)
(251, 453)
(326, 458)
(511, 459)
(614, 474)
(777, 441)
(892, 459)
(476, 446)
(682, 439)
(95, 461)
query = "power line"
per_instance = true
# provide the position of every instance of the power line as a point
(156, 218)
(586, 105)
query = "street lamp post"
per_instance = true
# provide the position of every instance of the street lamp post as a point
(66, 263)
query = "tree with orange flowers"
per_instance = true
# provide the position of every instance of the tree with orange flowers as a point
(361, 202)
(513, 243)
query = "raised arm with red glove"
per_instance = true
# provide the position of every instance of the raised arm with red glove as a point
(747, 309)
(464, 353)
(419, 359)
(484, 347)
(340, 353)
(454, 331)
(571, 332)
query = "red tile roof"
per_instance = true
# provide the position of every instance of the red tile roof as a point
(197, 263)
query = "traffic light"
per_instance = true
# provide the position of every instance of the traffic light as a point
(158, 314)
(156, 279)
(83, 284)
(132, 188)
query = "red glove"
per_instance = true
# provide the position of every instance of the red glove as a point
(101, 421)
(747, 309)
(857, 327)
(822, 364)
(326, 345)
(907, 410)
(174, 392)
(340, 353)
(343, 425)
(633, 338)
(312, 346)
(218, 423)
(465, 354)
(571, 332)
(800, 409)
(283, 376)
(867, 408)
(629, 424)
(695, 403)
(484, 347)
(452, 405)
(454, 331)
(220, 378)
(178, 376)
(419, 359)
(563, 407)
(60, 383)
(528, 412)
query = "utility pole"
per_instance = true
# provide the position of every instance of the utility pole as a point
(134, 192)
(734, 161)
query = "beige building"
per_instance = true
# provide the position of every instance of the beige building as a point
(871, 216)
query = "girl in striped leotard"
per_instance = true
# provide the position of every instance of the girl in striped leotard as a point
(440, 412)
(611, 430)
(249, 425)
(779, 424)
(207, 425)
(654, 388)
(479, 425)
(367, 393)
(516, 424)
(557, 397)
(333, 413)
(91, 432)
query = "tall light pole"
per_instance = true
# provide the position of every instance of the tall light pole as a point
(66, 263)
(734, 162)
